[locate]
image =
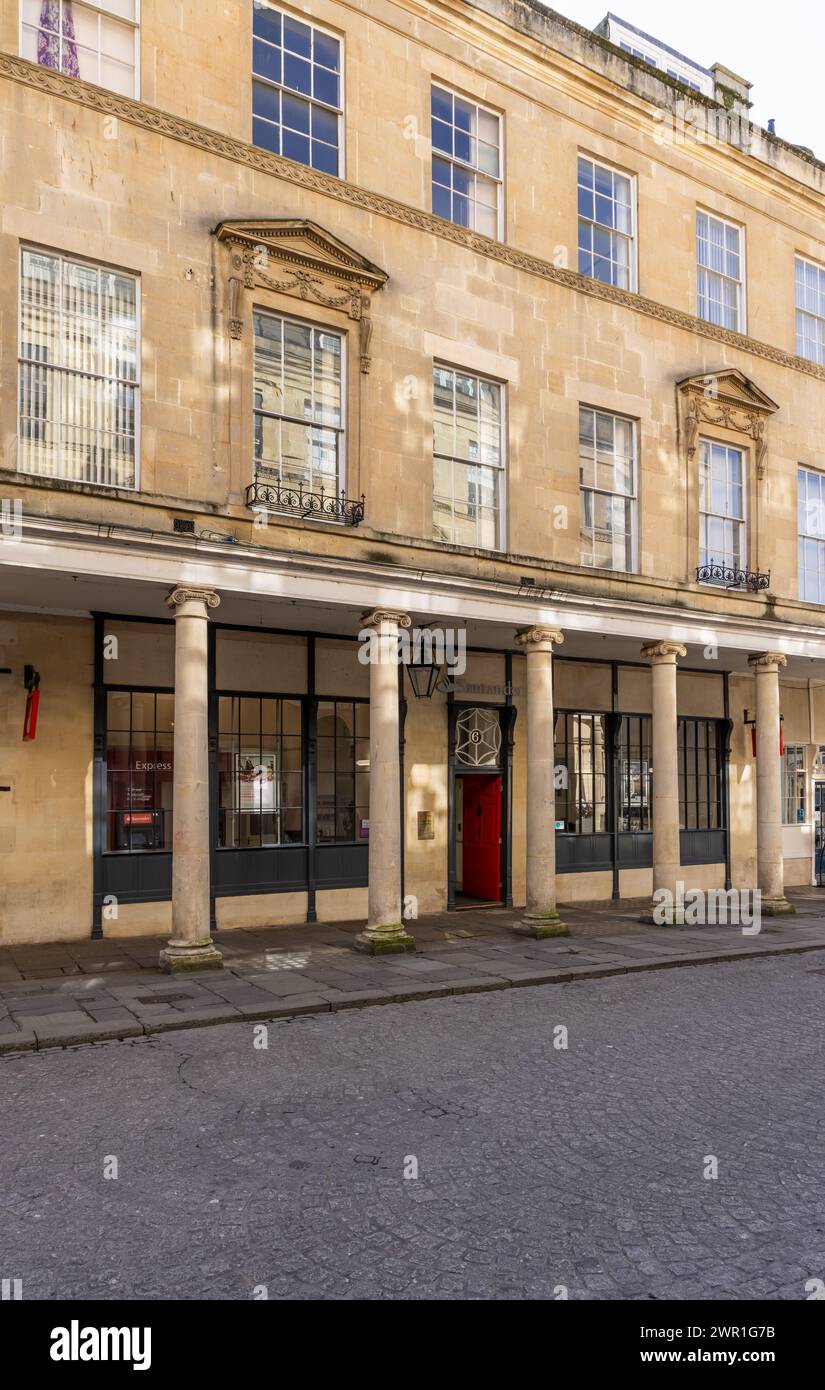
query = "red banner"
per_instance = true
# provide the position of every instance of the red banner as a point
(30, 717)
(781, 740)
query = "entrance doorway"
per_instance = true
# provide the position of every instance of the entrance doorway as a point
(819, 834)
(478, 839)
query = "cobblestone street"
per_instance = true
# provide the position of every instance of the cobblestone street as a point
(537, 1166)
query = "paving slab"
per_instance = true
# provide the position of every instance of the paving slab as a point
(89, 991)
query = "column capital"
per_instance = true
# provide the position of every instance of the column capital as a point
(767, 661)
(374, 617)
(540, 639)
(662, 651)
(182, 594)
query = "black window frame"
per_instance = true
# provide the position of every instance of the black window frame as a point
(708, 751)
(638, 749)
(566, 744)
(261, 696)
(109, 810)
(352, 771)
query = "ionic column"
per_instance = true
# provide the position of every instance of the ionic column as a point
(541, 918)
(190, 946)
(770, 868)
(385, 928)
(665, 776)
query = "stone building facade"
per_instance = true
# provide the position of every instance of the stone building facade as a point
(447, 319)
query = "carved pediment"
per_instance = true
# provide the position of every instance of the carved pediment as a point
(299, 242)
(729, 387)
(293, 256)
(729, 400)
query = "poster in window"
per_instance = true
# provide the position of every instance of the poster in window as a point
(256, 783)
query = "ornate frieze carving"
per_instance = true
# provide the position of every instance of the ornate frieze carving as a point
(297, 257)
(727, 400)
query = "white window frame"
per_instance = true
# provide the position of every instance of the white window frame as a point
(472, 169)
(800, 260)
(99, 8)
(342, 432)
(632, 238)
(686, 81)
(501, 538)
(810, 530)
(304, 18)
(632, 497)
(794, 785)
(25, 361)
(741, 299)
(741, 521)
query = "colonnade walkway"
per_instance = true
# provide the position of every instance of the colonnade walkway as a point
(60, 995)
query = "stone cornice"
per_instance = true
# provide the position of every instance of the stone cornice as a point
(71, 546)
(163, 123)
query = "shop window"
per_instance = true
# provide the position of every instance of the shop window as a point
(633, 772)
(580, 774)
(260, 772)
(139, 770)
(343, 771)
(700, 775)
(794, 788)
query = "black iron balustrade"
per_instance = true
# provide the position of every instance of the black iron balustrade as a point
(733, 578)
(320, 505)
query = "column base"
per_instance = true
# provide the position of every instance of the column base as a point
(179, 956)
(776, 907)
(383, 941)
(539, 927)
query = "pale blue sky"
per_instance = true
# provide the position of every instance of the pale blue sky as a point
(779, 48)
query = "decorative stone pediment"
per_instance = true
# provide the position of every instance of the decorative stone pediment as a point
(294, 256)
(729, 400)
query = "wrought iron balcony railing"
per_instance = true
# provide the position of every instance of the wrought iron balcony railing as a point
(732, 578)
(320, 505)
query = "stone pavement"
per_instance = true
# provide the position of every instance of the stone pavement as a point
(58, 995)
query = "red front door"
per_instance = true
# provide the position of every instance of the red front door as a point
(481, 837)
